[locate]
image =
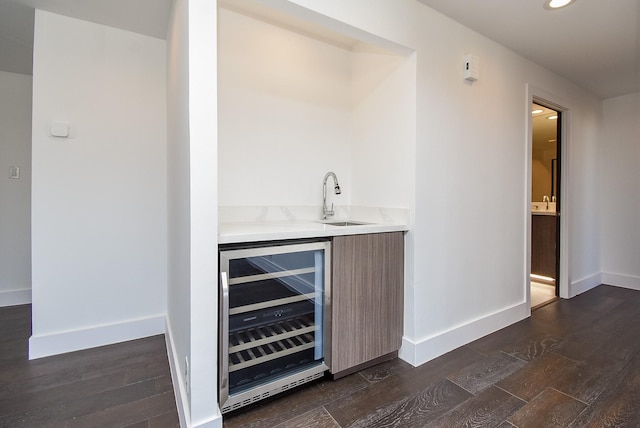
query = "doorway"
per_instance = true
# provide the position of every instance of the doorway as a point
(545, 204)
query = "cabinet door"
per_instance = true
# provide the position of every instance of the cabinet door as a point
(543, 245)
(367, 299)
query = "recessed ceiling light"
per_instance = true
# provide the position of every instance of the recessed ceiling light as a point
(552, 117)
(537, 111)
(557, 4)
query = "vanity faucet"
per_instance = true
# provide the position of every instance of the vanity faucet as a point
(336, 188)
(545, 198)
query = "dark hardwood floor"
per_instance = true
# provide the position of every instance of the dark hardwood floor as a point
(122, 385)
(574, 363)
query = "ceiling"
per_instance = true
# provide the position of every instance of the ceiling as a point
(594, 43)
(545, 130)
(149, 17)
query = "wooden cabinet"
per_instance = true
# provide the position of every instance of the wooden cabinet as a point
(367, 300)
(543, 245)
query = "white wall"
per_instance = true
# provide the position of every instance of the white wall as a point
(584, 178)
(178, 261)
(294, 106)
(383, 162)
(383, 122)
(192, 210)
(15, 194)
(469, 244)
(619, 194)
(99, 246)
(284, 115)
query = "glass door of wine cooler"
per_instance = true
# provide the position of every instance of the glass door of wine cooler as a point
(273, 335)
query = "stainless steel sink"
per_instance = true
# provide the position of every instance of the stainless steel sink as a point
(344, 223)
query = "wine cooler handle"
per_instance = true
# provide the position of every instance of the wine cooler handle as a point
(224, 333)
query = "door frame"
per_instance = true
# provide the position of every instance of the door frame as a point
(537, 95)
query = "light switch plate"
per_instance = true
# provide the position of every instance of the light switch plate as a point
(14, 172)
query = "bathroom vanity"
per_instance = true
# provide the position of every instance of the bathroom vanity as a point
(544, 226)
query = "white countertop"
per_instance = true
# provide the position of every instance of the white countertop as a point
(236, 232)
(543, 208)
(274, 223)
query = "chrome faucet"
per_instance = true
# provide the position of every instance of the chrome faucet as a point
(545, 198)
(336, 188)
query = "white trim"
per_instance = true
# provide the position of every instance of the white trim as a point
(75, 340)
(535, 94)
(15, 297)
(528, 178)
(417, 353)
(179, 390)
(585, 284)
(182, 400)
(214, 422)
(624, 281)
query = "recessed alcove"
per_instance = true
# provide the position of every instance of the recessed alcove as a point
(297, 99)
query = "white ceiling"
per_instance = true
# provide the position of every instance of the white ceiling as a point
(149, 17)
(16, 38)
(544, 129)
(594, 43)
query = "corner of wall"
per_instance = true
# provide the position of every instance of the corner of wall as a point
(584, 284)
(624, 281)
(182, 398)
(407, 351)
(424, 350)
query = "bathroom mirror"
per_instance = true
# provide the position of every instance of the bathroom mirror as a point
(544, 155)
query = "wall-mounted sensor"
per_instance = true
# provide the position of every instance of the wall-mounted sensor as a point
(59, 129)
(471, 68)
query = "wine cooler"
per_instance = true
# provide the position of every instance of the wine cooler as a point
(274, 333)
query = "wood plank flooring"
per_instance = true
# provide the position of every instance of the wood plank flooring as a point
(575, 363)
(122, 385)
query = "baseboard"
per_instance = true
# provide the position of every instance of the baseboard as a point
(419, 352)
(585, 284)
(15, 297)
(75, 340)
(215, 422)
(624, 281)
(182, 398)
